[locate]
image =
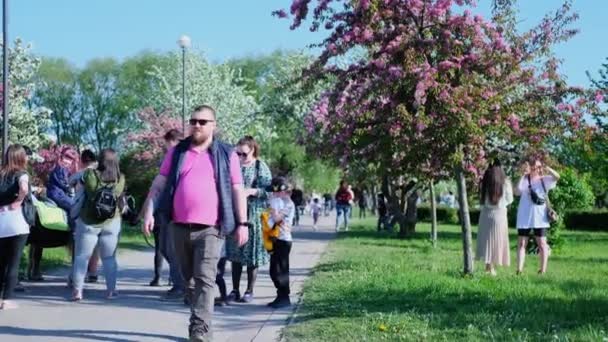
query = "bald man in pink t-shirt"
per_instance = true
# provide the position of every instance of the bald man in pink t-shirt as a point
(200, 212)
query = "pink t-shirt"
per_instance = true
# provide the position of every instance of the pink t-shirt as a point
(196, 200)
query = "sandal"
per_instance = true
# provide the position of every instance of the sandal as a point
(112, 295)
(247, 297)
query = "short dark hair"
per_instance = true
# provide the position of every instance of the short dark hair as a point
(204, 107)
(87, 156)
(172, 135)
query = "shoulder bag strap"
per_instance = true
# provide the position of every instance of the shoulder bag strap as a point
(254, 184)
(546, 193)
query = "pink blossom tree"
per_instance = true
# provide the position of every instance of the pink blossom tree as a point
(439, 90)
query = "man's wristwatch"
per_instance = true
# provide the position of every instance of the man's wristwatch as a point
(243, 224)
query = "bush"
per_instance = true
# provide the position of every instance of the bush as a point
(139, 176)
(594, 220)
(573, 192)
(444, 214)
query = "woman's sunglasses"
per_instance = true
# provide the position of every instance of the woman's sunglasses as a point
(200, 122)
(242, 154)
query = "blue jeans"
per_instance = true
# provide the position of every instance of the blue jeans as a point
(86, 237)
(342, 210)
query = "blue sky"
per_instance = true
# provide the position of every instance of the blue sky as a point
(80, 30)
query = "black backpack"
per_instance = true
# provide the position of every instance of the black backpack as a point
(9, 188)
(104, 202)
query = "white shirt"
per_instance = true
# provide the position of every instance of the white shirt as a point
(530, 215)
(286, 207)
(12, 222)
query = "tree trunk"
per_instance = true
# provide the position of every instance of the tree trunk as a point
(433, 215)
(465, 221)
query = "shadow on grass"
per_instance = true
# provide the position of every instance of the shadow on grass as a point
(454, 309)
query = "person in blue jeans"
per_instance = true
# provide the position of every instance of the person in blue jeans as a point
(93, 229)
(343, 207)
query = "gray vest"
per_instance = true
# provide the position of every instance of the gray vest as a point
(220, 155)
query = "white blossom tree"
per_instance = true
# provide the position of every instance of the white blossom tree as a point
(26, 122)
(214, 85)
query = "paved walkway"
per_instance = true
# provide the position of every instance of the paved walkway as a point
(138, 315)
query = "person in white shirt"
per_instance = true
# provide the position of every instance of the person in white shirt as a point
(283, 211)
(315, 209)
(533, 188)
(493, 236)
(14, 227)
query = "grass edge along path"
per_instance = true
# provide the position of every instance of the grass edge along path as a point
(374, 287)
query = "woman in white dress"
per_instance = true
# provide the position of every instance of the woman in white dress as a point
(493, 235)
(532, 215)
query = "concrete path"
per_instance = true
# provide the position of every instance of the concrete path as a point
(45, 314)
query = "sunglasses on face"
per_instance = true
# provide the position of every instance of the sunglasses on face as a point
(242, 154)
(200, 122)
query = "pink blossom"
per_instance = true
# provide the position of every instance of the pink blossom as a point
(367, 35)
(332, 48)
(445, 65)
(379, 63)
(599, 97)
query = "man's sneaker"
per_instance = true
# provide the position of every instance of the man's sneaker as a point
(200, 334)
(281, 303)
(173, 295)
(234, 296)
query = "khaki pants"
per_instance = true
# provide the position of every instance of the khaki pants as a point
(197, 251)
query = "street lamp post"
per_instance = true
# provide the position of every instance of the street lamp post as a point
(4, 78)
(184, 43)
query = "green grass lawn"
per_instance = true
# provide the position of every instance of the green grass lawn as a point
(130, 238)
(374, 287)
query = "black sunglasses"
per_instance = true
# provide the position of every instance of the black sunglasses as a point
(242, 154)
(201, 122)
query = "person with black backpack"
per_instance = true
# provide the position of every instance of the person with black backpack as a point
(99, 222)
(15, 220)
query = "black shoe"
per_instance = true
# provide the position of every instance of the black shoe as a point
(155, 282)
(220, 302)
(19, 287)
(92, 279)
(234, 296)
(173, 295)
(281, 303)
(273, 302)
